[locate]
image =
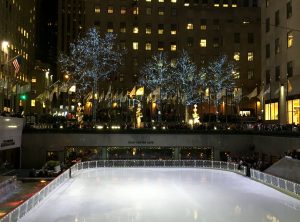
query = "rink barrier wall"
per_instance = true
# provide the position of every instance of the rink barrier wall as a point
(276, 182)
(20, 211)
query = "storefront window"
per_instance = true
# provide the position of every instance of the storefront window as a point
(293, 110)
(271, 111)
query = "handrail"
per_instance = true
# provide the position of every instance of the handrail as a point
(25, 207)
(276, 182)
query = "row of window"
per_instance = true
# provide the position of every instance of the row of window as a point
(289, 71)
(277, 45)
(173, 47)
(123, 10)
(289, 12)
(162, 30)
(173, 29)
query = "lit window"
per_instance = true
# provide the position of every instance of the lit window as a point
(203, 43)
(110, 10)
(148, 46)
(236, 56)
(161, 11)
(271, 111)
(161, 0)
(160, 30)
(110, 27)
(236, 74)
(135, 30)
(234, 3)
(290, 39)
(190, 26)
(136, 10)
(203, 24)
(33, 102)
(250, 56)
(217, 3)
(97, 9)
(148, 29)
(135, 45)
(173, 1)
(148, 0)
(123, 27)
(186, 3)
(173, 29)
(173, 47)
(160, 46)
(33, 80)
(225, 4)
(123, 10)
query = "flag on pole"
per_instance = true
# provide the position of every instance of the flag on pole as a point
(133, 92)
(140, 91)
(252, 94)
(108, 94)
(289, 86)
(267, 91)
(17, 63)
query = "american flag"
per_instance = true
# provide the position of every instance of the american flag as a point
(17, 63)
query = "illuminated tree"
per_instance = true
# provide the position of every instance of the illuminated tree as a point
(218, 77)
(155, 76)
(92, 59)
(187, 83)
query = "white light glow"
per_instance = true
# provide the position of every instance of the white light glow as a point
(164, 195)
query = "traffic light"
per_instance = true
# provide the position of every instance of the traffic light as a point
(23, 97)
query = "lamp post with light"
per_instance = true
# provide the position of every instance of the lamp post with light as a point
(5, 51)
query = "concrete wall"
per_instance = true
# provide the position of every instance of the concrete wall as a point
(275, 145)
(36, 145)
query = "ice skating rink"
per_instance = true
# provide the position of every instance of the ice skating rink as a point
(164, 195)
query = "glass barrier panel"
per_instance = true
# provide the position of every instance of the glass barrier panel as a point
(14, 215)
(100, 163)
(297, 189)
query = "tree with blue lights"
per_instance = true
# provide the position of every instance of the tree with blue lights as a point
(218, 78)
(186, 81)
(156, 76)
(92, 59)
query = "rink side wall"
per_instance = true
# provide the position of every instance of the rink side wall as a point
(36, 145)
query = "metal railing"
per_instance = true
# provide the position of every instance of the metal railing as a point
(7, 184)
(25, 207)
(276, 182)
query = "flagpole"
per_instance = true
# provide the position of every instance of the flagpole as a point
(287, 98)
(270, 109)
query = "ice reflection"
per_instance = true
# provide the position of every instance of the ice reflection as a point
(272, 218)
(164, 195)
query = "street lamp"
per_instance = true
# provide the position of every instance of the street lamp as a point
(4, 46)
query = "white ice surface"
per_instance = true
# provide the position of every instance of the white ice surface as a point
(164, 195)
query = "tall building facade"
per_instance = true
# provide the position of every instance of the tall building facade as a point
(205, 28)
(281, 60)
(17, 38)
